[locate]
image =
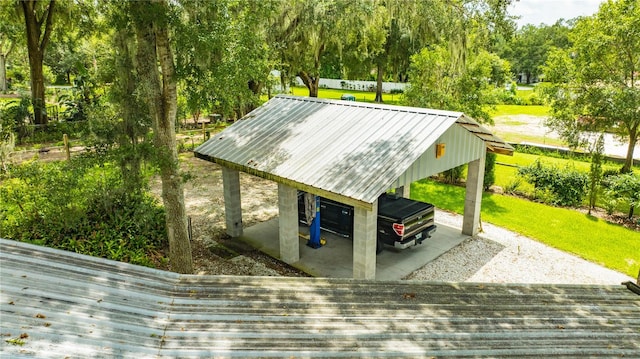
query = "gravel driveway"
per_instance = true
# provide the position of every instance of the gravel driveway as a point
(502, 256)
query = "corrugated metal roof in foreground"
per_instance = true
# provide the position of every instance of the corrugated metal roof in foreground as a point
(353, 149)
(56, 304)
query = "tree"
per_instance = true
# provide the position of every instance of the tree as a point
(305, 29)
(132, 119)
(223, 54)
(76, 48)
(625, 188)
(436, 82)
(530, 47)
(10, 31)
(158, 87)
(595, 85)
(38, 17)
(365, 45)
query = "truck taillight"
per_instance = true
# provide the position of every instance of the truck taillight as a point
(399, 229)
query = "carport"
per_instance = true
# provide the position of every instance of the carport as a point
(349, 152)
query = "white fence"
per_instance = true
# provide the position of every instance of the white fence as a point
(356, 85)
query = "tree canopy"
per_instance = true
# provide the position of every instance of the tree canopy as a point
(595, 84)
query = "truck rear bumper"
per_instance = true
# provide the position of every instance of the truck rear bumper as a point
(416, 239)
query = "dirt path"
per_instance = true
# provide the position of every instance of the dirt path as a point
(527, 128)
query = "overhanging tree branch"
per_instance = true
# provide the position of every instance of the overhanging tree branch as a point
(48, 26)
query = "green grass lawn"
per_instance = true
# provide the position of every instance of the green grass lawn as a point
(593, 239)
(362, 96)
(512, 110)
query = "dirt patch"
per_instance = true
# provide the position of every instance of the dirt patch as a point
(214, 252)
(523, 124)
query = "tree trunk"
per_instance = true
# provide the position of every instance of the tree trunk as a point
(37, 89)
(130, 164)
(161, 95)
(311, 82)
(4, 86)
(628, 161)
(36, 43)
(379, 84)
(255, 86)
(3, 73)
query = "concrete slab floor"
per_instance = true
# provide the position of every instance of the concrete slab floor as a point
(335, 258)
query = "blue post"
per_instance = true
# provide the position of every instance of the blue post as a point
(314, 229)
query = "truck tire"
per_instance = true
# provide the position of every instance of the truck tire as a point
(379, 246)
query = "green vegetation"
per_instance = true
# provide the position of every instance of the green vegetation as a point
(514, 110)
(81, 206)
(586, 236)
(596, 91)
(362, 96)
(563, 186)
(220, 61)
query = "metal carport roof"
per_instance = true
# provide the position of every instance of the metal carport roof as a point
(58, 304)
(330, 147)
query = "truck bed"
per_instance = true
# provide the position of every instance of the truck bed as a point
(401, 222)
(390, 207)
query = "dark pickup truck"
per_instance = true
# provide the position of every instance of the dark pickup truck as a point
(402, 222)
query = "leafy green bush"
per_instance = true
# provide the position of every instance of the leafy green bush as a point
(15, 116)
(80, 206)
(565, 187)
(513, 186)
(489, 170)
(624, 188)
(453, 175)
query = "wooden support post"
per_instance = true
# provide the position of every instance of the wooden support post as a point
(65, 139)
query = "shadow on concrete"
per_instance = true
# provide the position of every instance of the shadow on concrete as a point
(335, 258)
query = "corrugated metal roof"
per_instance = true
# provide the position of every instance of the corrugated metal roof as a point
(331, 147)
(68, 305)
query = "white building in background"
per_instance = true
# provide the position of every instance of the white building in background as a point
(356, 85)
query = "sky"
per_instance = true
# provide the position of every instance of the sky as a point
(548, 12)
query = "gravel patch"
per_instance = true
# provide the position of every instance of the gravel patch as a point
(460, 263)
(501, 256)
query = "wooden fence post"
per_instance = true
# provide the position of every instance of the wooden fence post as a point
(65, 139)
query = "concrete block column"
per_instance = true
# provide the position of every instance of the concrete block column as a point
(232, 204)
(404, 191)
(364, 242)
(288, 223)
(473, 196)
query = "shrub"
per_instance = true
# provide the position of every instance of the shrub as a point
(453, 175)
(80, 206)
(567, 186)
(513, 186)
(595, 171)
(624, 188)
(15, 117)
(489, 170)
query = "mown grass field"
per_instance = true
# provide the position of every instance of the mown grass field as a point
(586, 236)
(513, 110)
(389, 99)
